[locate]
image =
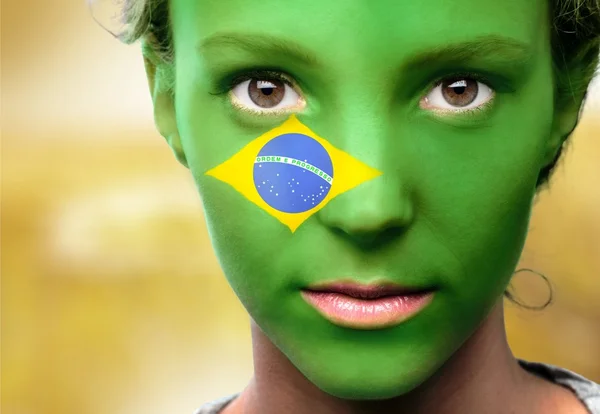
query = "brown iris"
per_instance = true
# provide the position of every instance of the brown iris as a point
(462, 93)
(266, 94)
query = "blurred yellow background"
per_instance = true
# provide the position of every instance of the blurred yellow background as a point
(109, 282)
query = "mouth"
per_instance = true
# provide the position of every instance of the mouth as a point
(367, 306)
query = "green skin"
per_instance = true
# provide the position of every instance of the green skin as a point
(455, 197)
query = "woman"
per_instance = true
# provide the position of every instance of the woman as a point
(420, 133)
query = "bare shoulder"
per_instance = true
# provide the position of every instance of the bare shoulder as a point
(234, 407)
(549, 397)
(561, 400)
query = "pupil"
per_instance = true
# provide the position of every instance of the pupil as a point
(459, 90)
(267, 91)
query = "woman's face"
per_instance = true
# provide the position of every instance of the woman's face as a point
(459, 163)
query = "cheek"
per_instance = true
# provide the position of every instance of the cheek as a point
(477, 199)
(250, 246)
(247, 242)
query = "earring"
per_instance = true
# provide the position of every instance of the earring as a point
(514, 299)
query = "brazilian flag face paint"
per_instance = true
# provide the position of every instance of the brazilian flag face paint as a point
(291, 173)
(424, 127)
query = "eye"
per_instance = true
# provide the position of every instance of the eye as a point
(266, 96)
(458, 94)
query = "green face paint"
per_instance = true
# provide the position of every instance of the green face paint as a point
(450, 100)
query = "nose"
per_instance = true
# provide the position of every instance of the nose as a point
(370, 215)
(377, 211)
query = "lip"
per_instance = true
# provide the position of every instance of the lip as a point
(367, 306)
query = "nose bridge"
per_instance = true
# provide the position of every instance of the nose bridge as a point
(378, 208)
(361, 122)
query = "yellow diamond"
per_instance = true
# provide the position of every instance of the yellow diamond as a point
(238, 171)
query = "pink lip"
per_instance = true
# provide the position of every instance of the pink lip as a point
(375, 306)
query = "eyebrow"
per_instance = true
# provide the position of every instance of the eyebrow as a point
(261, 44)
(486, 47)
(492, 46)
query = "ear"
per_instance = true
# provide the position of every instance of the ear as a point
(160, 83)
(566, 119)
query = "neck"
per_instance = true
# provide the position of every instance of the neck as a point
(482, 376)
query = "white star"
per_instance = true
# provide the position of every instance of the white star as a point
(276, 194)
(277, 175)
(263, 182)
(292, 191)
(259, 165)
(292, 179)
(271, 186)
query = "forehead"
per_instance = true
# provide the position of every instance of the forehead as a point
(348, 27)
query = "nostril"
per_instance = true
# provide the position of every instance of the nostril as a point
(370, 239)
(371, 215)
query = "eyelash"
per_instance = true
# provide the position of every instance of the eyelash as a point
(470, 75)
(231, 81)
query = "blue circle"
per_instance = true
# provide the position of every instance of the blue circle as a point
(293, 187)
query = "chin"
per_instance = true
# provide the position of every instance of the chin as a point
(365, 390)
(357, 384)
